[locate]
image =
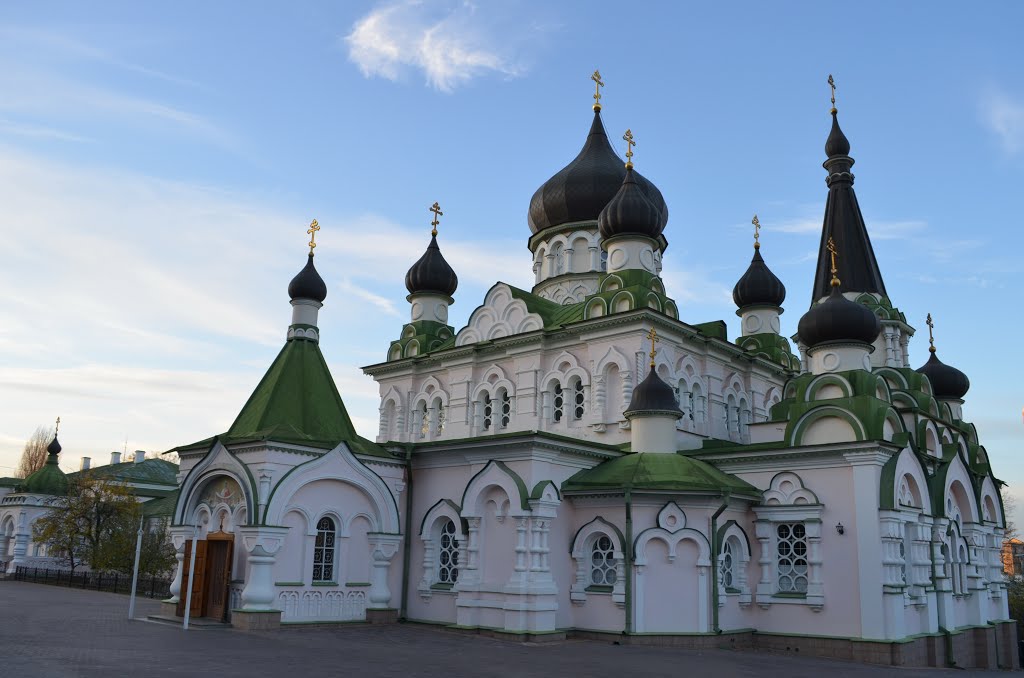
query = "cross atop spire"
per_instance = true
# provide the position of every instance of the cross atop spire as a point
(832, 84)
(313, 228)
(757, 232)
(57, 429)
(628, 138)
(598, 84)
(653, 337)
(436, 209)
(931, 337)
(834, 253)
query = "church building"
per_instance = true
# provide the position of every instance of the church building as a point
(580, 461)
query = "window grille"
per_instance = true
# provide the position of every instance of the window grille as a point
(578, 400)
(506, 409)
(792, 557)
(441, 417)
(323, 551)
(424, 421)
(559, 406)
(488, 411)
(727, 563)
(602, 562)
(448, 556)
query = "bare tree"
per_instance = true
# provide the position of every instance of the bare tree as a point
(34, 456)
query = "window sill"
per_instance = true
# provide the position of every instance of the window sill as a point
(594, 588)
(325, 583)
(790, 596)
(441, 587)
(357, 584)
(288, 583)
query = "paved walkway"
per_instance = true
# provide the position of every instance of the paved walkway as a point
(46, 631)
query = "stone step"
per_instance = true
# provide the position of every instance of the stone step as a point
(198, 623)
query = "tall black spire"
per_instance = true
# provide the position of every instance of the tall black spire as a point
(844, 223)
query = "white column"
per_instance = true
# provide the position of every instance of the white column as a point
(179, 535)
(262, 544)
(20, 542)
(383, 548)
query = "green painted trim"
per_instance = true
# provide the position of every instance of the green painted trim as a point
(520, 484)
(324, 583)
(441, 587)
(594, 588)
(358, 584)
(799, 596)
(289, 583)
(598, 519)
(538, 490)
(455, 507)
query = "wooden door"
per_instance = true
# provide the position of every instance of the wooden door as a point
(198, 582)
(218, 575)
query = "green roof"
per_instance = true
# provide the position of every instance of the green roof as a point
(296, 402)
(149, 472)
(10, 482)
(652, 471)
(164, 506)
(553, 314)
(47, 480)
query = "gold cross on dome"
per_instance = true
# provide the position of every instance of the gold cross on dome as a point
(832, 84)
(931, 337)
(436, 209)
(757, 232)
(313, 228)
(834, 253)
(628, 138)
(653, 336)
(57, 430)
(598, 84)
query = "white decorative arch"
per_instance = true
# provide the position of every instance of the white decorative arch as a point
(430, 535)
(734, 535)
(991, 508)
(614, 356)
(495, 474)
(787, 489)
(582, 552)
(337, 465)
(218, 462)
(911, 486)
(501, 315)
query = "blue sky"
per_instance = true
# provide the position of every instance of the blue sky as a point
(159, 165)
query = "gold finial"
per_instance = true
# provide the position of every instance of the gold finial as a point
(436, 209)
(757, 232)
(832, 84)
(598, 84)
(831, 247)
(57, 429)
(653, 336)
(628, 138)
(313, 228)
(931, 337)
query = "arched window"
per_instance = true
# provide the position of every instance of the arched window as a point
(602, 562)
(558, 407)
(323, 551)
(424, 422)
(727, 565)
(442, 416)
(448, 555)
(578, 399)
(488, 411)
(506, 408)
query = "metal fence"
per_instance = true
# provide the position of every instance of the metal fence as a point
(150, 587)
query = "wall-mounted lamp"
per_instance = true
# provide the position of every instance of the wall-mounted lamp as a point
(840, 529)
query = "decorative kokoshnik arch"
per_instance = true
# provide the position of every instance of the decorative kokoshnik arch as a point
(218, 462)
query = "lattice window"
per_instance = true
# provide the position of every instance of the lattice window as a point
(488, 411)
(448, 555)
(602, 562)
(726, 573)
(792, 561)
(579, 400)
(442, 417)
(506, 409)
(559, 405)
(323, 551)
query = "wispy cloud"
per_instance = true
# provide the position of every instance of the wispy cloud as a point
(1004, 116)
(451, 44)
(31, 131)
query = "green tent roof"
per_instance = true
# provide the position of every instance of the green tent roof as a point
(47, 480)
(296, 402)
(652, 471)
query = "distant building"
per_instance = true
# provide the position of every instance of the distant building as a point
(1013, 557)
(23, 501)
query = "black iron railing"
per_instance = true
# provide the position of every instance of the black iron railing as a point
(114, 582)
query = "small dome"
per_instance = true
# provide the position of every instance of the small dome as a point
(758, 286)
(49, 479)
(653, 396)
(308, 284)
(583, 187)
(837, 143)
(431, 273)
(629, 212)
(54, 446)
(838, 319)
(948, 383)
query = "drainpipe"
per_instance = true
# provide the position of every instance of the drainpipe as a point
(627, 557)
(714, 563)
(407, 556)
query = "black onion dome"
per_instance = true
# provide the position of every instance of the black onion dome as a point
(630, 212)
(947, 382)
(653, 396)
(583, 187)
(431, 273)
(758, 286)
(308, 284)
(54, 446)
(837, 143)
(838, 319)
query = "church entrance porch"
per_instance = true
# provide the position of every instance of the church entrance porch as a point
(212, 578)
